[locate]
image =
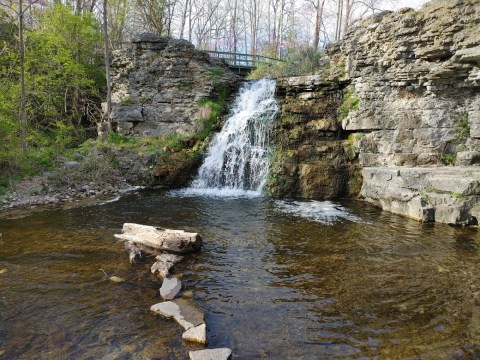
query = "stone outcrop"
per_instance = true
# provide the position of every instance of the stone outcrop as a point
(400, 97)
(448, 194)
(416, 76)
(415, 102)
(159, 83)
(311, 160)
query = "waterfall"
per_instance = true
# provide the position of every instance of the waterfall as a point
(237, 159)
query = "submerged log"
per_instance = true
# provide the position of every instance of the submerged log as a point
(134, 253)
(177, 241)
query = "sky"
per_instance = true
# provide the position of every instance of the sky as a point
(415, 4)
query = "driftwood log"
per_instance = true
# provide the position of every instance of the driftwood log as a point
(176, 241)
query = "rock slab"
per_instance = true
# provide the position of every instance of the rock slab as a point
(197, 334)
(170, 288)
(449, 195)
(186, 313)
(177, 241)
(211, 354)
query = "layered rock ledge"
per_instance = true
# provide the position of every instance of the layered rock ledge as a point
(448, 195)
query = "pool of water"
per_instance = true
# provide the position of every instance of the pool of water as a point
(277, 280)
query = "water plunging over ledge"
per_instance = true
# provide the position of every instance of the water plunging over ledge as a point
(237, 160)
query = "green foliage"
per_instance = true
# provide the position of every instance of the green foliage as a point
(216, 73)
(213, 111)
(349, 103)
(462, 129)
(63, 72)
(298, 61)
(449, 159)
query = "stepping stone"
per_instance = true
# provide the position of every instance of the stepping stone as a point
(196, 334)
(211, 354)
(170, 288)
(162, 269)
(185, 312)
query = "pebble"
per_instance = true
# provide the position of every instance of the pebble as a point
(211, 354)
(3, 271)
(117, 279)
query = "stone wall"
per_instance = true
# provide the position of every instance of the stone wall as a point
(158, 85)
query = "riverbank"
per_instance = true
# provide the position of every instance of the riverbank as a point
(105, 170)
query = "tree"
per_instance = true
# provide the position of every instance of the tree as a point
(107, 58)
(21, 45)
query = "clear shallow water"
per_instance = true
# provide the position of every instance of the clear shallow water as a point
(274, 284)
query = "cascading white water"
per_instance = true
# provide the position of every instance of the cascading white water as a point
(237, 160)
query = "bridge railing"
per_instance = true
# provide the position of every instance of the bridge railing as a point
(243, 60)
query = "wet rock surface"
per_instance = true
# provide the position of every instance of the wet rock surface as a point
(197, 334)
(185, 312)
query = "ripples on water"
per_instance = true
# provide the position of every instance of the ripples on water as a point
(278, 280)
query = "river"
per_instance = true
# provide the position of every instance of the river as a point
(277, 280)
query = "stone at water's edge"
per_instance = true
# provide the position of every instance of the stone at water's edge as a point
(170, 288)
(211, 354)
(186, 313)
(116, 279)
(177, 241)
(198, 334)
(448, 195)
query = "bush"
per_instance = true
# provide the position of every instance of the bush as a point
(298, 61)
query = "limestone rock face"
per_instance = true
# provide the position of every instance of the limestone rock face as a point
(158, 82)
(416, 75)
(449, 195)
(311, 160)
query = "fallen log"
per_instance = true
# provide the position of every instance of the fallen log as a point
(176, 241)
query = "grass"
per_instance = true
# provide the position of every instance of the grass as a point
(349, 103)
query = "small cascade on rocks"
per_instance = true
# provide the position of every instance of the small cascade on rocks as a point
(238, 157)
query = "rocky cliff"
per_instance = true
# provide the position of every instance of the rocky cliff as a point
(404, 89)
(416, 78)
(160, 86)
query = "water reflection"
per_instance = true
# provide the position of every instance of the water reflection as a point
(274, 285)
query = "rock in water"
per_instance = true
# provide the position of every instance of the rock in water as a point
(116, 279)
(177, 241)
(211, 354)
(196, 334)
(185, 313)
(164, 264)
(134, 253)
(170, 288)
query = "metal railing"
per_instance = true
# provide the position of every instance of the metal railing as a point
(247, 61)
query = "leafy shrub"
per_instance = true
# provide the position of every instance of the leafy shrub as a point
(298, 61)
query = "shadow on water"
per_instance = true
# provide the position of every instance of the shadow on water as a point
(274, 284)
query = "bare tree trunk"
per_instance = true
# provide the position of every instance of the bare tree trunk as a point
(347, 15)
(184, 18)
(338, 31)
(107, 60)
(318, 23)
(23, 112)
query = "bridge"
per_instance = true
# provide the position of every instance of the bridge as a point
(243, 64)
